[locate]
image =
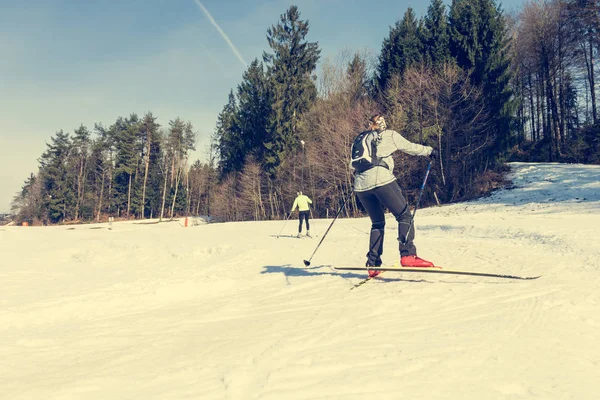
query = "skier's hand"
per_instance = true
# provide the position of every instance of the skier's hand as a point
(434, 154)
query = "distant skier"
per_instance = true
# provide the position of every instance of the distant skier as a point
(376, 186)
(302, 202)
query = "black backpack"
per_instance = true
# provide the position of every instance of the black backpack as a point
(364, 152)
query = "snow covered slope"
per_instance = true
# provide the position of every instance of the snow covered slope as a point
(228, 311)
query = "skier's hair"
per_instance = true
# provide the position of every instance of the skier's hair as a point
(377, 122)
(374, 118)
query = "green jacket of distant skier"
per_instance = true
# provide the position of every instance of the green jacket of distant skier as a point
(302, 202)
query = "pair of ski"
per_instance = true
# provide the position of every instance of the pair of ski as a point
(431, 270)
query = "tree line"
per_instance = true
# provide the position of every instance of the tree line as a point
(131, 169)
(481, 86)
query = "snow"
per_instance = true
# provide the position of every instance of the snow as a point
(229, 311)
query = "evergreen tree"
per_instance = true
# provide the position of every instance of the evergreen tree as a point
(148, 130)
(358, 82)
(479, 43)
(230, 147)
(78, 168)
(102, 168)
(254, 99)
(411, 43)
(290, 67)
(181, 140)
(436, 39)
(57, 196)
(389, 62)
(125, 131)
(465, 24)
(155, 175)
(402, 49)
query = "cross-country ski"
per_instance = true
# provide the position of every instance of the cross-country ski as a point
(440, 270)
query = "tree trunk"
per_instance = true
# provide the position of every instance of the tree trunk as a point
(176, 189)
(164, 197)
(146, 176)
(592, 84)
(79, 179)
(542, 127)
(128, 196)
(110, 172)
(101, 197)
(172, 170)
(208, 189)
(199, 199)
(271, 206)
(188, 196)
(440, 155)
(552, 112)
(532, 109)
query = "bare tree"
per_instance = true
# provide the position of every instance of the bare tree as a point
(251, 190)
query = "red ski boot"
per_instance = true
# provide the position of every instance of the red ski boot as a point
(371, 265)
(373, 273)
(415, 262)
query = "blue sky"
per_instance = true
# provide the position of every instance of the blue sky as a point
(67, 63)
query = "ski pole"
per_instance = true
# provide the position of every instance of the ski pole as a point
(412, 218)
(285, 222)
(307, 262)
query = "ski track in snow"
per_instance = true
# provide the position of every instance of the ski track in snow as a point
(229, 311)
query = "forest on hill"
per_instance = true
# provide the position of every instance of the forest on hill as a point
(480, 86)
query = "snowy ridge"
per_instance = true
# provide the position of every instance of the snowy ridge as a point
(228, 311)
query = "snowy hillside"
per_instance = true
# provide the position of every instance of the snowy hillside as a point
(228, 311)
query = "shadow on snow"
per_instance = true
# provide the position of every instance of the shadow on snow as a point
(325, 270)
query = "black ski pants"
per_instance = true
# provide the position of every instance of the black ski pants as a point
(301, 215)
(374, 201)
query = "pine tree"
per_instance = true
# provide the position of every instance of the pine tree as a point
(125, 131)
(148, 130)
(57, 196)
(230, 147)
(254, 110)
(389, 63)
(402, 49)
(102, 167)
(479, 44)
(290, 67)
(155, 175)
(436, 39)
(465, 24)
(411, 43)
(79, 161)
(182, 140)
(358, 82)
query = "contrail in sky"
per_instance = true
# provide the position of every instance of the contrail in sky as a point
(212, 20)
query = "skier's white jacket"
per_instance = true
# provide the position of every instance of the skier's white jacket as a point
(389, 142)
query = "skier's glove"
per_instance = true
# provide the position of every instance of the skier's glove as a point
(434, 154)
